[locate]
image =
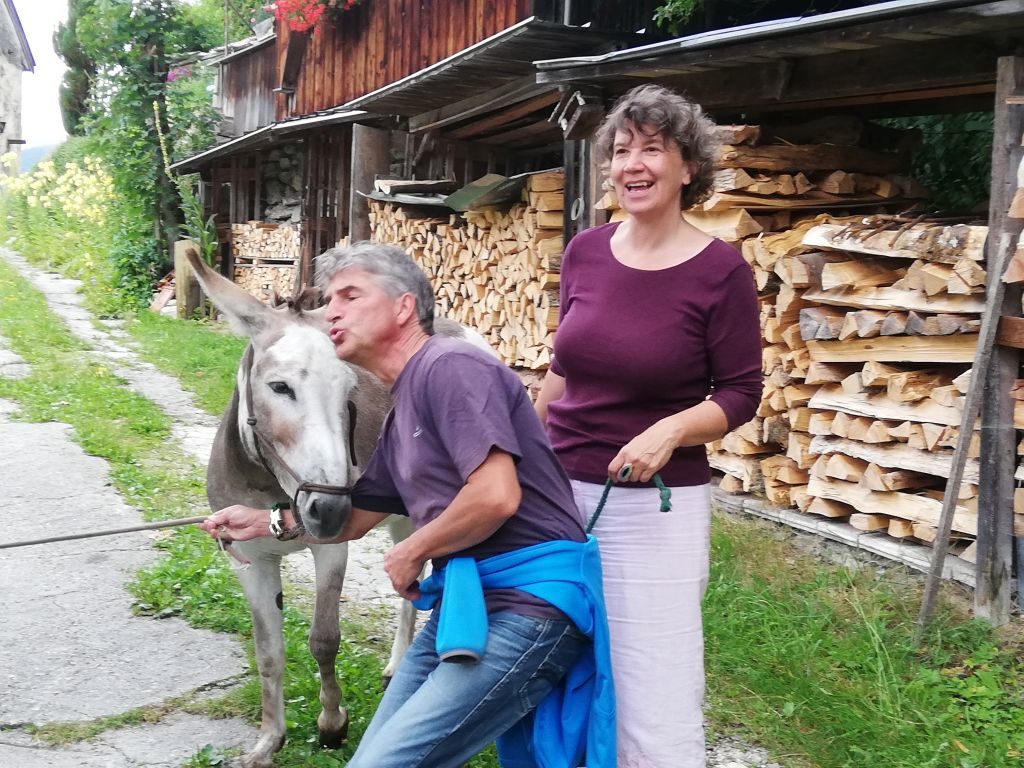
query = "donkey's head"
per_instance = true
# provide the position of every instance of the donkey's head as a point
(293, 395)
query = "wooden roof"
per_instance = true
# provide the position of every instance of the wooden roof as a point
(939, 52)
(497, 61)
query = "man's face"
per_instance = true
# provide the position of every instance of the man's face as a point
(364, 320)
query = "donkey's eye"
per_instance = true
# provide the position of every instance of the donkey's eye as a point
(280, 388)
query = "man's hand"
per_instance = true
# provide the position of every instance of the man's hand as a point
(237, 523)
(404, 569)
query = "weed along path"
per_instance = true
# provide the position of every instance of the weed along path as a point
(85, 683)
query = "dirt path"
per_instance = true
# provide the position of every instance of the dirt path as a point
(367, 593)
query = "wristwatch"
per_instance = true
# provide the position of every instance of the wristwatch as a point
(277, 524)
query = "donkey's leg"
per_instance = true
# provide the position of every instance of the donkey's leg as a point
(262, 585)
(324, 636)
(403, 637)
(400, 529)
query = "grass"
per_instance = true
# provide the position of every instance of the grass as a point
(194, 581)
(819, 663)
(812, 661)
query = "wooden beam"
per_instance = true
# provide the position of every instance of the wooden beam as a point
(1000, 366)
(486, 101)
(503, 117)
(371, 156)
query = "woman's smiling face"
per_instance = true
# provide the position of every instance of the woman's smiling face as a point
(647, 170)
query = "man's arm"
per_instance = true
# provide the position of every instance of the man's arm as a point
(490, 496)
(240, 523)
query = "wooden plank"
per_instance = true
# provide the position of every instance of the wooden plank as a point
(959, 348)
(832, 397)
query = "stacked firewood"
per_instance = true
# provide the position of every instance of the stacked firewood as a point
(869, 327)
(263, 280)
(494, 268)
(260, 241)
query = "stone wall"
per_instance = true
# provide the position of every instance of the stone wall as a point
(282, 174)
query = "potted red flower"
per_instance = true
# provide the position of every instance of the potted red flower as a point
(304, 15)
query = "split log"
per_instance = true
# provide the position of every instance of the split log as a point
(912, 349)
(832, 397)
(945, 244)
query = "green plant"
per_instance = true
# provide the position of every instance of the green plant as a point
(202, 231)
(954, 157)
(674, 13)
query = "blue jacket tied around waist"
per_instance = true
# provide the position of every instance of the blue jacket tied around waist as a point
(578, 716)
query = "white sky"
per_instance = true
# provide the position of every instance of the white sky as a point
(40, 108)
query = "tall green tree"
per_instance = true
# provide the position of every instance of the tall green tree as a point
(74, 89)
(132, 43)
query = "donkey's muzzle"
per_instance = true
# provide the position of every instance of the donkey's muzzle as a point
(324, 514)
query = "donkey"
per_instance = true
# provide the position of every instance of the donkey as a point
(299, 423)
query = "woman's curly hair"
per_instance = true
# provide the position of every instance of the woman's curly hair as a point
(674, 118)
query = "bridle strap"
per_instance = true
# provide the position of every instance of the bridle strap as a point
(266, 446)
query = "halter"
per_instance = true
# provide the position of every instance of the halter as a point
(268, 446)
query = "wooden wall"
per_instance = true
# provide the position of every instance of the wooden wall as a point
(382, 41)
(247, 84)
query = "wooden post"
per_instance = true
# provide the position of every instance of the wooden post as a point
(187, 294)
(998, 438)
(371, 157)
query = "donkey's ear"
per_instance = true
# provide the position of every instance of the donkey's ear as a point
(247, 315)
(317, 317)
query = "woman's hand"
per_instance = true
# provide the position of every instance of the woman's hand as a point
(237, 523)
(646, 453)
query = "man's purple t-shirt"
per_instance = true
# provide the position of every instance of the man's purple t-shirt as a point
(453, 404)
(635, 346)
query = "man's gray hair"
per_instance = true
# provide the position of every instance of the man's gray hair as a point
(393, 271)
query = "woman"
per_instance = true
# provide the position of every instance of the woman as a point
(657, 353)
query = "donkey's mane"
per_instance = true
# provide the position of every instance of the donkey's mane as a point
(307, 299)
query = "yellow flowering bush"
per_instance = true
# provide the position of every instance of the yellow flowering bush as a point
(62, 213)
(82, 191)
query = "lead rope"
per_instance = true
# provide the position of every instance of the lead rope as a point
(664, 492)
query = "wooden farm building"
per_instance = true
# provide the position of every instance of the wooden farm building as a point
(890, 337)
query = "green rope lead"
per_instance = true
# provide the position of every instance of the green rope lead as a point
(664, 492)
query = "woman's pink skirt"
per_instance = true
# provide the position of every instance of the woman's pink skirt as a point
(655, 572)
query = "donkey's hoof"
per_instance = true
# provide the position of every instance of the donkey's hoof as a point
(334, 739)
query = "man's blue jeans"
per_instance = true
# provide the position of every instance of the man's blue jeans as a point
(438, 714)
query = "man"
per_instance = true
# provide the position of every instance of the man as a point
(463, 454)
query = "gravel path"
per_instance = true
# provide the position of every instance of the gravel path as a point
(171, 741)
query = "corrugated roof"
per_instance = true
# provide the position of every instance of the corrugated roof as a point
(268, 135)
(780, 28)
